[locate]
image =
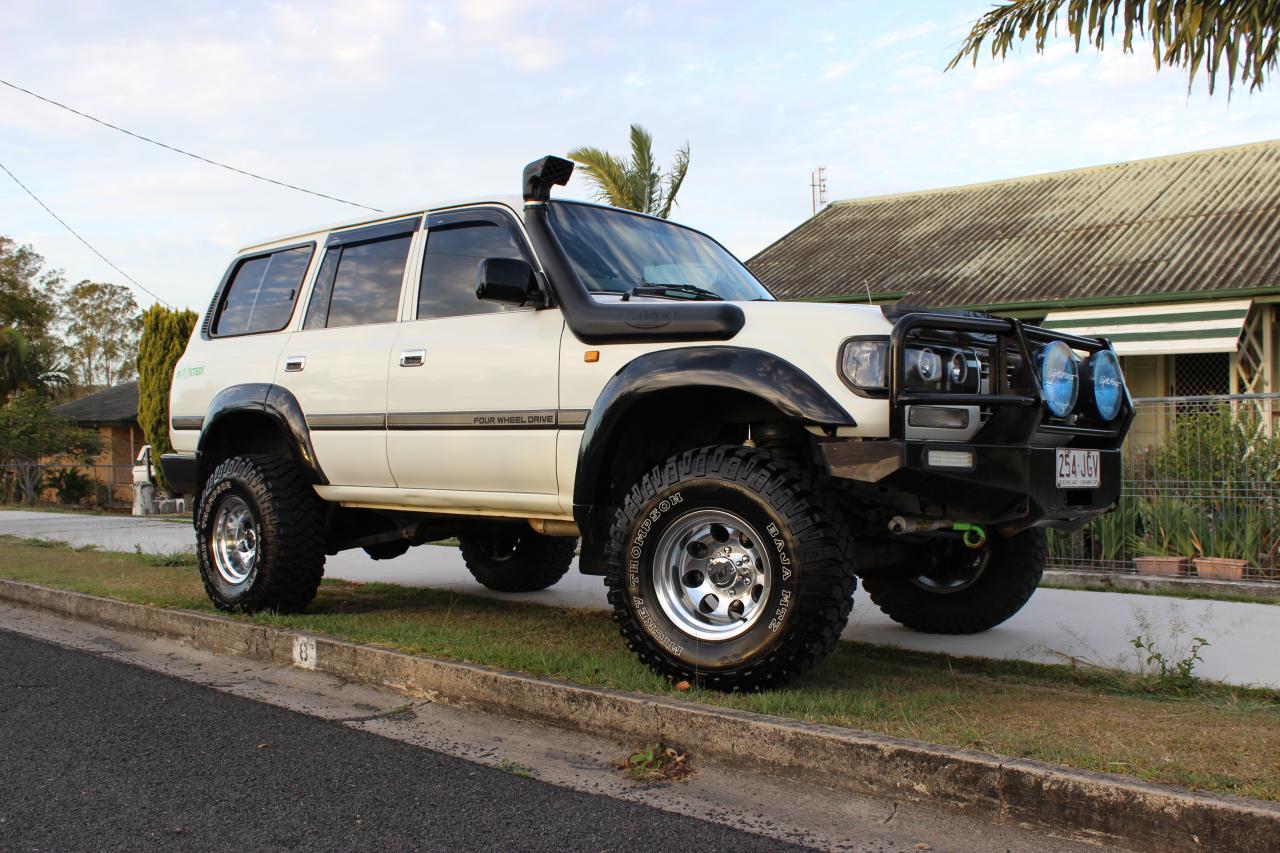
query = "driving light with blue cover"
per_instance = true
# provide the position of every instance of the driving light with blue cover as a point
(1059, 378)
(1108, 384)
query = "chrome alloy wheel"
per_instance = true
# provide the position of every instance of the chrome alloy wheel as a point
(235, 541)
(712, 574)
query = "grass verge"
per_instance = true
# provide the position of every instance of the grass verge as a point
(1210, 737)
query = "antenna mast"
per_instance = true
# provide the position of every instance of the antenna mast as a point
(818, 188)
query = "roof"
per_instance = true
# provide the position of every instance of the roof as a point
(1199, 224)
(512, 201)
(117, 405)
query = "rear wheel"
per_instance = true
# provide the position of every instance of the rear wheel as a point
(260, 536)
(966, 592)
(725, 569)
(508, 559)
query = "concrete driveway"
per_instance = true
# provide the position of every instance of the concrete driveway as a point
(1056, 626)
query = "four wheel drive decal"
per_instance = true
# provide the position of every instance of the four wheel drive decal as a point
(515, 419)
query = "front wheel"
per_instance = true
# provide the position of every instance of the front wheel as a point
(726, 570)
(965, 592)
(260, 536)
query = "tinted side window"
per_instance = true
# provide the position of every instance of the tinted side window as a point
(261, 293)
(448, 286)
(359, 284)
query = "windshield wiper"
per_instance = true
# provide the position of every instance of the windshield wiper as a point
(676, 291)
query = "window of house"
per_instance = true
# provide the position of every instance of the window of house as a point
(454, 251)
(261, 293)
(359, 283)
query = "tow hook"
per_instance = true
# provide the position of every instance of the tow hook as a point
(974, 536)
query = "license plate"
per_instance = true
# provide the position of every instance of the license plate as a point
(1079, 469)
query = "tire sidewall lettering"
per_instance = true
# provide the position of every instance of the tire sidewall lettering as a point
(210, 500)
(664, 509)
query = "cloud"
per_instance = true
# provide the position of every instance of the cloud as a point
(836, 70)
(905, 34)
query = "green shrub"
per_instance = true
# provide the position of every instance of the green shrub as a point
(1167, 525)
(165, 333)
(72, 486)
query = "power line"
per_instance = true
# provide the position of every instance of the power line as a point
(131, 279)
(186, 153)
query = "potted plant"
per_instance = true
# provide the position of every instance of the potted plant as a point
(1225, 541)
(1166, 543)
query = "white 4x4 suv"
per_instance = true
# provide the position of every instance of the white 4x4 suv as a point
(521, 373)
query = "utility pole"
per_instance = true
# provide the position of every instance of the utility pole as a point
(818, 188)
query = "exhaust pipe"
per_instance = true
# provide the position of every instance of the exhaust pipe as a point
(973, 535)
(554, 527)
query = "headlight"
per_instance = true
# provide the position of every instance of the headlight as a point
(863, 363)
(1059, 380)
(924, 369)
(1107, 383)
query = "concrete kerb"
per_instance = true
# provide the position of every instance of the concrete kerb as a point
(1262, 591)
(1095, 806)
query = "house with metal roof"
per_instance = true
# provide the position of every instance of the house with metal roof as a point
(1175, 259)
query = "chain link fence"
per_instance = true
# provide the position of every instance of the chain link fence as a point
(1201, 496)
(88, 486)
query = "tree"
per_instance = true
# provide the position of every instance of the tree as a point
(638, 184)
(1188, 34)
(30, 432)
(102, 324)
(21, 368)
(165, 333)
(29, 298)
(29, 294)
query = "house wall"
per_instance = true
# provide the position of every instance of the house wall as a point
(113, 466)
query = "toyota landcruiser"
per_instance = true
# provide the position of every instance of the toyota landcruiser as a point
(521, 373)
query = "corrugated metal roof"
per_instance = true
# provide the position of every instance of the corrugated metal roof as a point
(1190, 223)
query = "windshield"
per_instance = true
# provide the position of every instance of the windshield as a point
(617, 252)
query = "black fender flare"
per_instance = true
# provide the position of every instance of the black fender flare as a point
(278, 405)
(761, 374)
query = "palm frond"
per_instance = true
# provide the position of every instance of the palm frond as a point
(675, 177)
(638, 185)
(1189, 34)
(644, 172)
(606, 172)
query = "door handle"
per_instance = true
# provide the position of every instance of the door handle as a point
(295, 363)
(413, 357)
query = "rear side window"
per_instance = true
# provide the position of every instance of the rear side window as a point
(260, 295)
(454, 251)
(359, 284)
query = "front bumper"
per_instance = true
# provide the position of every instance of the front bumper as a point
(180, 472)
(1016, 486)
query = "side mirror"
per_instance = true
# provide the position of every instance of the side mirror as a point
(508, 280)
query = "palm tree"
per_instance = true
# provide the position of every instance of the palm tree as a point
(638, 184)
(1184, 33)
(21, 367)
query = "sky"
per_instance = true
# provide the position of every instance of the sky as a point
(396, 104)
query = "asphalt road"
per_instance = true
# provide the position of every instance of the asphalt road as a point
(100, 755)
